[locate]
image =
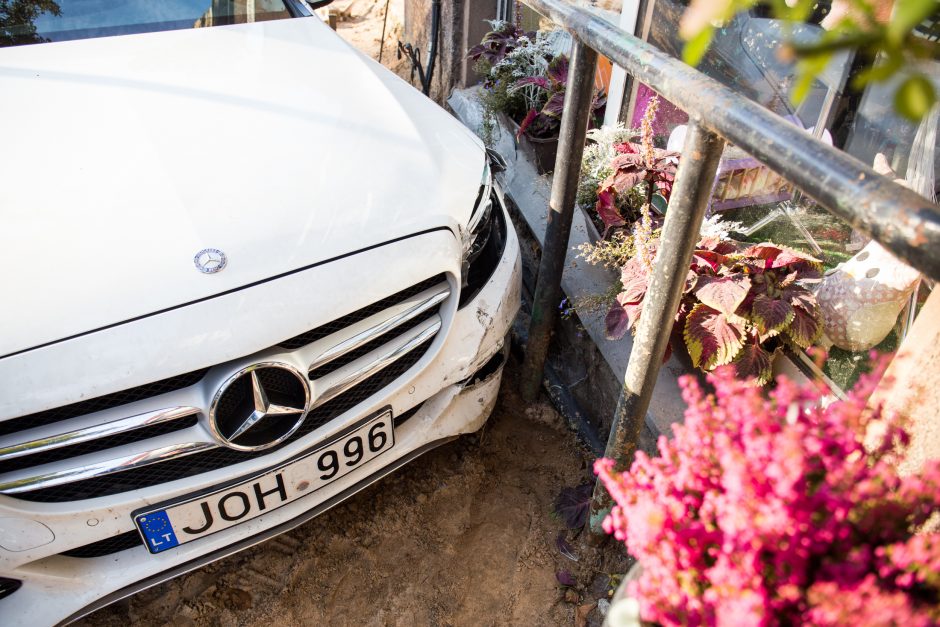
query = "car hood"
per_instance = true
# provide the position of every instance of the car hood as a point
(275, 142)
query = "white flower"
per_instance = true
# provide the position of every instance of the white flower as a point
(714, 226)
(598, 155)
(624, 613)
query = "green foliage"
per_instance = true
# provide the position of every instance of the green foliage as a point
(889, 42)
(17, 17)
(738, 306)
(915, 97)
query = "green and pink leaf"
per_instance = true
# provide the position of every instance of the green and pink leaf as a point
(770, 315)
(712, 338)
(753, 362)
(724, 293)
(805, 328)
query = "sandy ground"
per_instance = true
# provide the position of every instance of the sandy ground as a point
(465, 535)
(360, 22)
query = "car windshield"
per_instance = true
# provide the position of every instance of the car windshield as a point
(40, 21)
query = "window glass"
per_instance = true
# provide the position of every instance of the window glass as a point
(41, 21)
(861, 314)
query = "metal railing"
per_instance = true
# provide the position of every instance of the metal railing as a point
(904, 222)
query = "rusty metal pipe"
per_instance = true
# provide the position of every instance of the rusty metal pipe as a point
(690, 194)
(574, 121)
(900, 219)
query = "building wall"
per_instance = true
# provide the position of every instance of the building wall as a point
(462, 25)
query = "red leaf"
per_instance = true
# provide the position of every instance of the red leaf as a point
(770, 315)
(635, 282)
(555, 105)
(628, 172)
(805, 328)
(626, 148)
(789, 257)
(606, 210)
(620, 319)
(538, 81)
(725, 294)
(753, 362)
(668, 352)
(616, 323)
(788, 280)
(713, 339)
(708, 243)
(764, 250)
(802, 299)
(724, 248)
(529, 118)
(779, 256)
(708, 259)
(716, 245)
(558, 70)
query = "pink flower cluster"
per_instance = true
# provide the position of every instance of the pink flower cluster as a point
(768, 509)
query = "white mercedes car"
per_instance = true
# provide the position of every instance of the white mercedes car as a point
(246, 273)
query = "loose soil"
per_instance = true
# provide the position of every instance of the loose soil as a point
(465, 535)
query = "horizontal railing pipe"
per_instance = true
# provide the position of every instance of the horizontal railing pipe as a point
(903, 221)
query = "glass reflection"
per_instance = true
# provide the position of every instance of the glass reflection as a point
(39, 21)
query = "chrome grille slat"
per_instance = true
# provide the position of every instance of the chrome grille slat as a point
(338, 382)
(48, 476)
(350, 356)
(77, 436)
(382, 323)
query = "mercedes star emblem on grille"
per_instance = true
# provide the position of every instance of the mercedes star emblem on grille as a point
(259, 406)
(210, 260)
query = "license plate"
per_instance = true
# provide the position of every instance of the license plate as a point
(204, 514)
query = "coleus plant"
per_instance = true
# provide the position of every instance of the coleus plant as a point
(738, 307)
(498, 43)
(631, 167)
(545, 122)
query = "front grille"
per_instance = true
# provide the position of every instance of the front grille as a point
(9, 586)
(107, 546)
(101, 403)
(100, 444)
(309, 337)
(132, 539)
(219, 457)
(397, 333)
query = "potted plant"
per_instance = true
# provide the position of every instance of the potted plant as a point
(740, 304)
(769, 508)
(620, 176)
(525, 84)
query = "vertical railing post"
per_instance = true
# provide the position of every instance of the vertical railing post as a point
(579, 97)
(680, 233)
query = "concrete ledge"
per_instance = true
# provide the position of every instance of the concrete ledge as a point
(531, 192)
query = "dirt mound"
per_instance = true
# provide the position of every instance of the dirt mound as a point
(463, 536)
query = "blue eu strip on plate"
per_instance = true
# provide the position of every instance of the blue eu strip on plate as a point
(158, 531)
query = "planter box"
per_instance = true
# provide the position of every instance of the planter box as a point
(541, 152)
(595, 378)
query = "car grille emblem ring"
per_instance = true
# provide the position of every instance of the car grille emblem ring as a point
(259, 406)
(210, 260)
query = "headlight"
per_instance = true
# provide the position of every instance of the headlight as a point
(478, 227)
(484, 239)
(484, 200)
